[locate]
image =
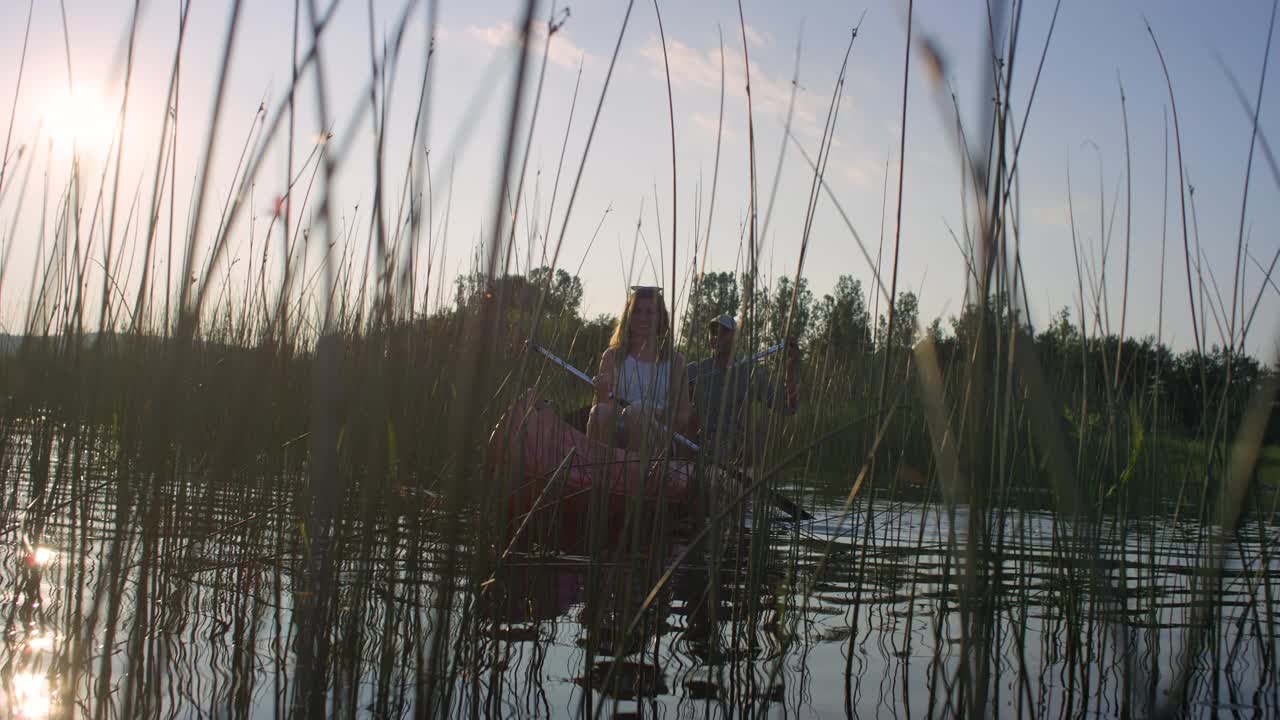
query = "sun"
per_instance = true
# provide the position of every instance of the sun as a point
(78, 121)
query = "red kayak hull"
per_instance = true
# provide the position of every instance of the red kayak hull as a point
(558, 479)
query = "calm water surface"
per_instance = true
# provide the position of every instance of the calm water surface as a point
(212, 597)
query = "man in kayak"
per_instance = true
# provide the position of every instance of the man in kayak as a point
(723, 391)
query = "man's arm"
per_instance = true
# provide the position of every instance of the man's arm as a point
(767, 392)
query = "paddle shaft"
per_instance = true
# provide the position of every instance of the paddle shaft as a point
(587, 379)
(684, 441)
(761, 355)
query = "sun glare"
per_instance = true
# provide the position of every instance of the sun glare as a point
(31, 696)
(42, 642)
(78, 120)
(43, 556)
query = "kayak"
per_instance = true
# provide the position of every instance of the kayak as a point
(558, 478)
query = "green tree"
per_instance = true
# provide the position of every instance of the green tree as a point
(841, 321)
(469, 288)
(781, 306)
(905, 325)
(714, 294)
(934, 332)
(564, 291)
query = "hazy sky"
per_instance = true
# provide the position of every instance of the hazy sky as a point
(1074, 134)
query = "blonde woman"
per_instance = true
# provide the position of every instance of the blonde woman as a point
(641, 377)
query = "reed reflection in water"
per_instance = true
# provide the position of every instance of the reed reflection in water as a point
(190, 595)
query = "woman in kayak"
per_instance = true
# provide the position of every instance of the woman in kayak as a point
(641, 384)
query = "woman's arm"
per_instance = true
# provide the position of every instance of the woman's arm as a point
(605, 378)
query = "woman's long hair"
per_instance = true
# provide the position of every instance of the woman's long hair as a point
(621, 331)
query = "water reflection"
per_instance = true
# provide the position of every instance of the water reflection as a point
(41, 556)
(41, 642)
(30, 696)
(207, 598)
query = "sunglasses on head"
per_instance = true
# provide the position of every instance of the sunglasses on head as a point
(646, 290)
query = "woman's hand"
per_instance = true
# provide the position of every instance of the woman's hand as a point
(603, 387)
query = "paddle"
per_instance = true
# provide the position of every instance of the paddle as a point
(782, 502)
(760, 355)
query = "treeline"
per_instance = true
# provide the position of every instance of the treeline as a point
(839, 321)
(846, 332)
(404, 402)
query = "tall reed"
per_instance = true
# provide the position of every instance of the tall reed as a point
(269, 486)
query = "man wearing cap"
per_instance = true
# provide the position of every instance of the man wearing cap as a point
(722, 392)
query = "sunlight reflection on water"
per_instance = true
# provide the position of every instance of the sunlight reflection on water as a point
(41, 643)
(32, 697)
(40, 556)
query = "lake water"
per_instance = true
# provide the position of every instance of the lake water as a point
(213, 598)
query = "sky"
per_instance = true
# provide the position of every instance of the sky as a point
(1081, 193)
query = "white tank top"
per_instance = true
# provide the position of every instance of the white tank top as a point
(644, 384)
